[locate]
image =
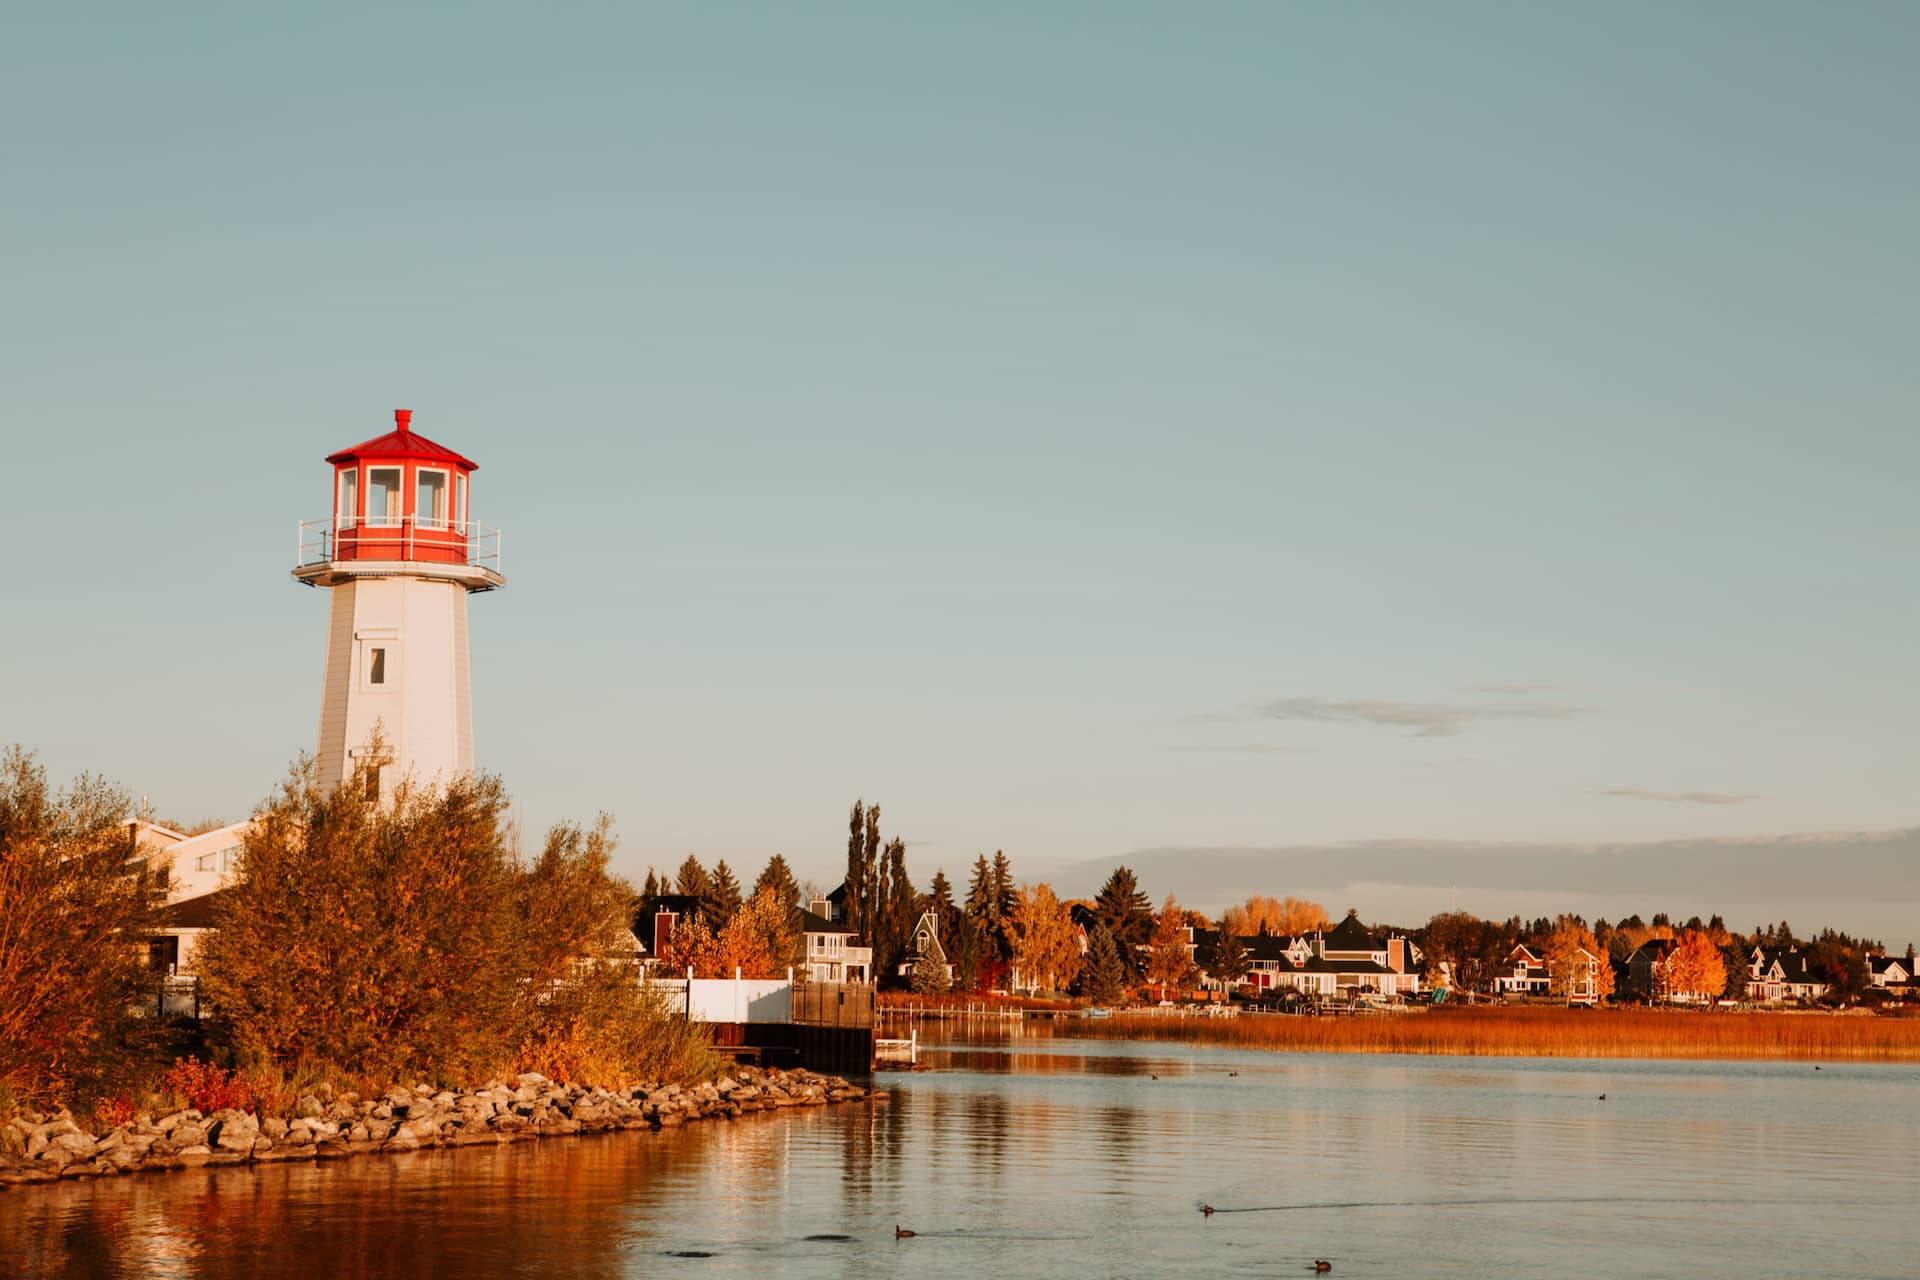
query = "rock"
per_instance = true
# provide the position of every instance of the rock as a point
(309, 1107)
(402, 1141)
(237, 1140)
(78, 1146)
(37, 1142)
(274, 1127)
(186, 1135)
(193, 1156)
(532, 1079)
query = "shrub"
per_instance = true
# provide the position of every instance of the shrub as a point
(74, 917)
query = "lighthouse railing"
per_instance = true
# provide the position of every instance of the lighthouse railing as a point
(399, 537)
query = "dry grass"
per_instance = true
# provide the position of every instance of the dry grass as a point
(1546, 1033)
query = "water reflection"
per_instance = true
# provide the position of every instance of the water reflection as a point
(1046, 1155)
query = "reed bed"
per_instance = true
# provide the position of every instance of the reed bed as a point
(1545, 1033)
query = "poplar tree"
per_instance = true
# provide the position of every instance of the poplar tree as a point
(863, 867)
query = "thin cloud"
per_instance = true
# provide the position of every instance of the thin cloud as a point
(1677, 797)
(1425, 719)
(1251, 749)
(1519, 689)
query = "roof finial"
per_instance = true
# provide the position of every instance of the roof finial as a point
(403, 419)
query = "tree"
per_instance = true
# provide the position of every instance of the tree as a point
(1227, 961)
(928, 979)
(893, 917)
(1466, 948)
(1693, 967)
(940, 901)
(863, 868)
(1005, 898)
(74, 918)
(777, 877)
(1124, 911)
(693, 881)
(1103, 975)
(652, 887)
(723, 893)
(965, 954)
(1577, 967)
(986, 909)
(1046, 945)
(1169, 962)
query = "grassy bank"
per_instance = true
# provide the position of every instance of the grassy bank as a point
(1545, 1033)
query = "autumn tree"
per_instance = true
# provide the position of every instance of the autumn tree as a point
(1124, 910)
(74, 918)
(1169, 961)
(1103, 975)
(1577, 966)
(864, 854)
(1693, 967)
(376, 938)
(1046, 947)
(1466, 948)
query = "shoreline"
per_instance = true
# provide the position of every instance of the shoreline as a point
(1647, 1034)
(330, 1126)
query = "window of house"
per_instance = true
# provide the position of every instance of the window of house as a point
(460, 499)
(349, 497)
(430, 499)
(383, 495)
(376, 666)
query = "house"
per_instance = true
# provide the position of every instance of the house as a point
(1774, 977)
(1347, 960)
(1530, 975)
(924, 949)
(832, 951)
(192, 871)
(1898, 974)
(654, 922)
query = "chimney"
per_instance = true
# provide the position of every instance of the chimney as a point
(403, 420)
(663, 922)
(822, 908)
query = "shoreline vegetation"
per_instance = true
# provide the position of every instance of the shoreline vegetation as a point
(325, 1125)
(1541, 1033)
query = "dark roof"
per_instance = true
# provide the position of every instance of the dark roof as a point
(812, 922)
(839, 895)
(1793, 966)
(1351, 935)
(403, 444)
(193, 913)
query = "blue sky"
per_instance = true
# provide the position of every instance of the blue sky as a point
(1088, 430)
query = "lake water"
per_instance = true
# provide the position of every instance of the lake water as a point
(1047, 1155)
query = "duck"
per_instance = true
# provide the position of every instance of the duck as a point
(901, 1233)
(1603, 1097)
(1208, 1210)
(1322, 1265)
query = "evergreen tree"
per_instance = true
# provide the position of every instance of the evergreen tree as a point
(652, 886)
(964, 953)
(1123, 910)
(1103, 976)
(1227, 960)
(723, 895)
(778, 876)
(928, 979)
(1006, 898)
(693, 881)
(940, 902)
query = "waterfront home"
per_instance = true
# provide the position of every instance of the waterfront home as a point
(1774, 977)
(924, 949)
(1898, 974)
(191, 871)
(832, 951)
(653, 923)
(1530, 976)
(1348, 959)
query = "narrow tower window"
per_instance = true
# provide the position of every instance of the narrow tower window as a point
(430, 502)
(349, 497)
(376, 666)
(383, 495)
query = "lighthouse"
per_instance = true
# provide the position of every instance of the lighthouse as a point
(399, 555)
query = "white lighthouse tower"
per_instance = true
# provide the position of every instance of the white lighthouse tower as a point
(400, 556)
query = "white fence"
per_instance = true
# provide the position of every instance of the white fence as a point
(730, 999)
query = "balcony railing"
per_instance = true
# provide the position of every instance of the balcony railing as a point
(413, 538)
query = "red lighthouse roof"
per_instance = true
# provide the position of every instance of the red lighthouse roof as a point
(403, 442)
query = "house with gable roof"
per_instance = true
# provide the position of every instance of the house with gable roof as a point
(1774, 977)
(924, 948)
(1530, 975)
(1348, 959)
(1898, 974)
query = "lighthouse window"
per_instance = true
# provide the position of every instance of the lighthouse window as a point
(376, 666)
(349, 497)
(430, 505)
(383, 495)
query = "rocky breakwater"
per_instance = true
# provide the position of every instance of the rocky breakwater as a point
(326, 1126)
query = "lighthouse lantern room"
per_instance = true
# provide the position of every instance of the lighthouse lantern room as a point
(400, 556)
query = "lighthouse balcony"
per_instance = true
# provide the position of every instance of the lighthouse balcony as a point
(336, 550)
